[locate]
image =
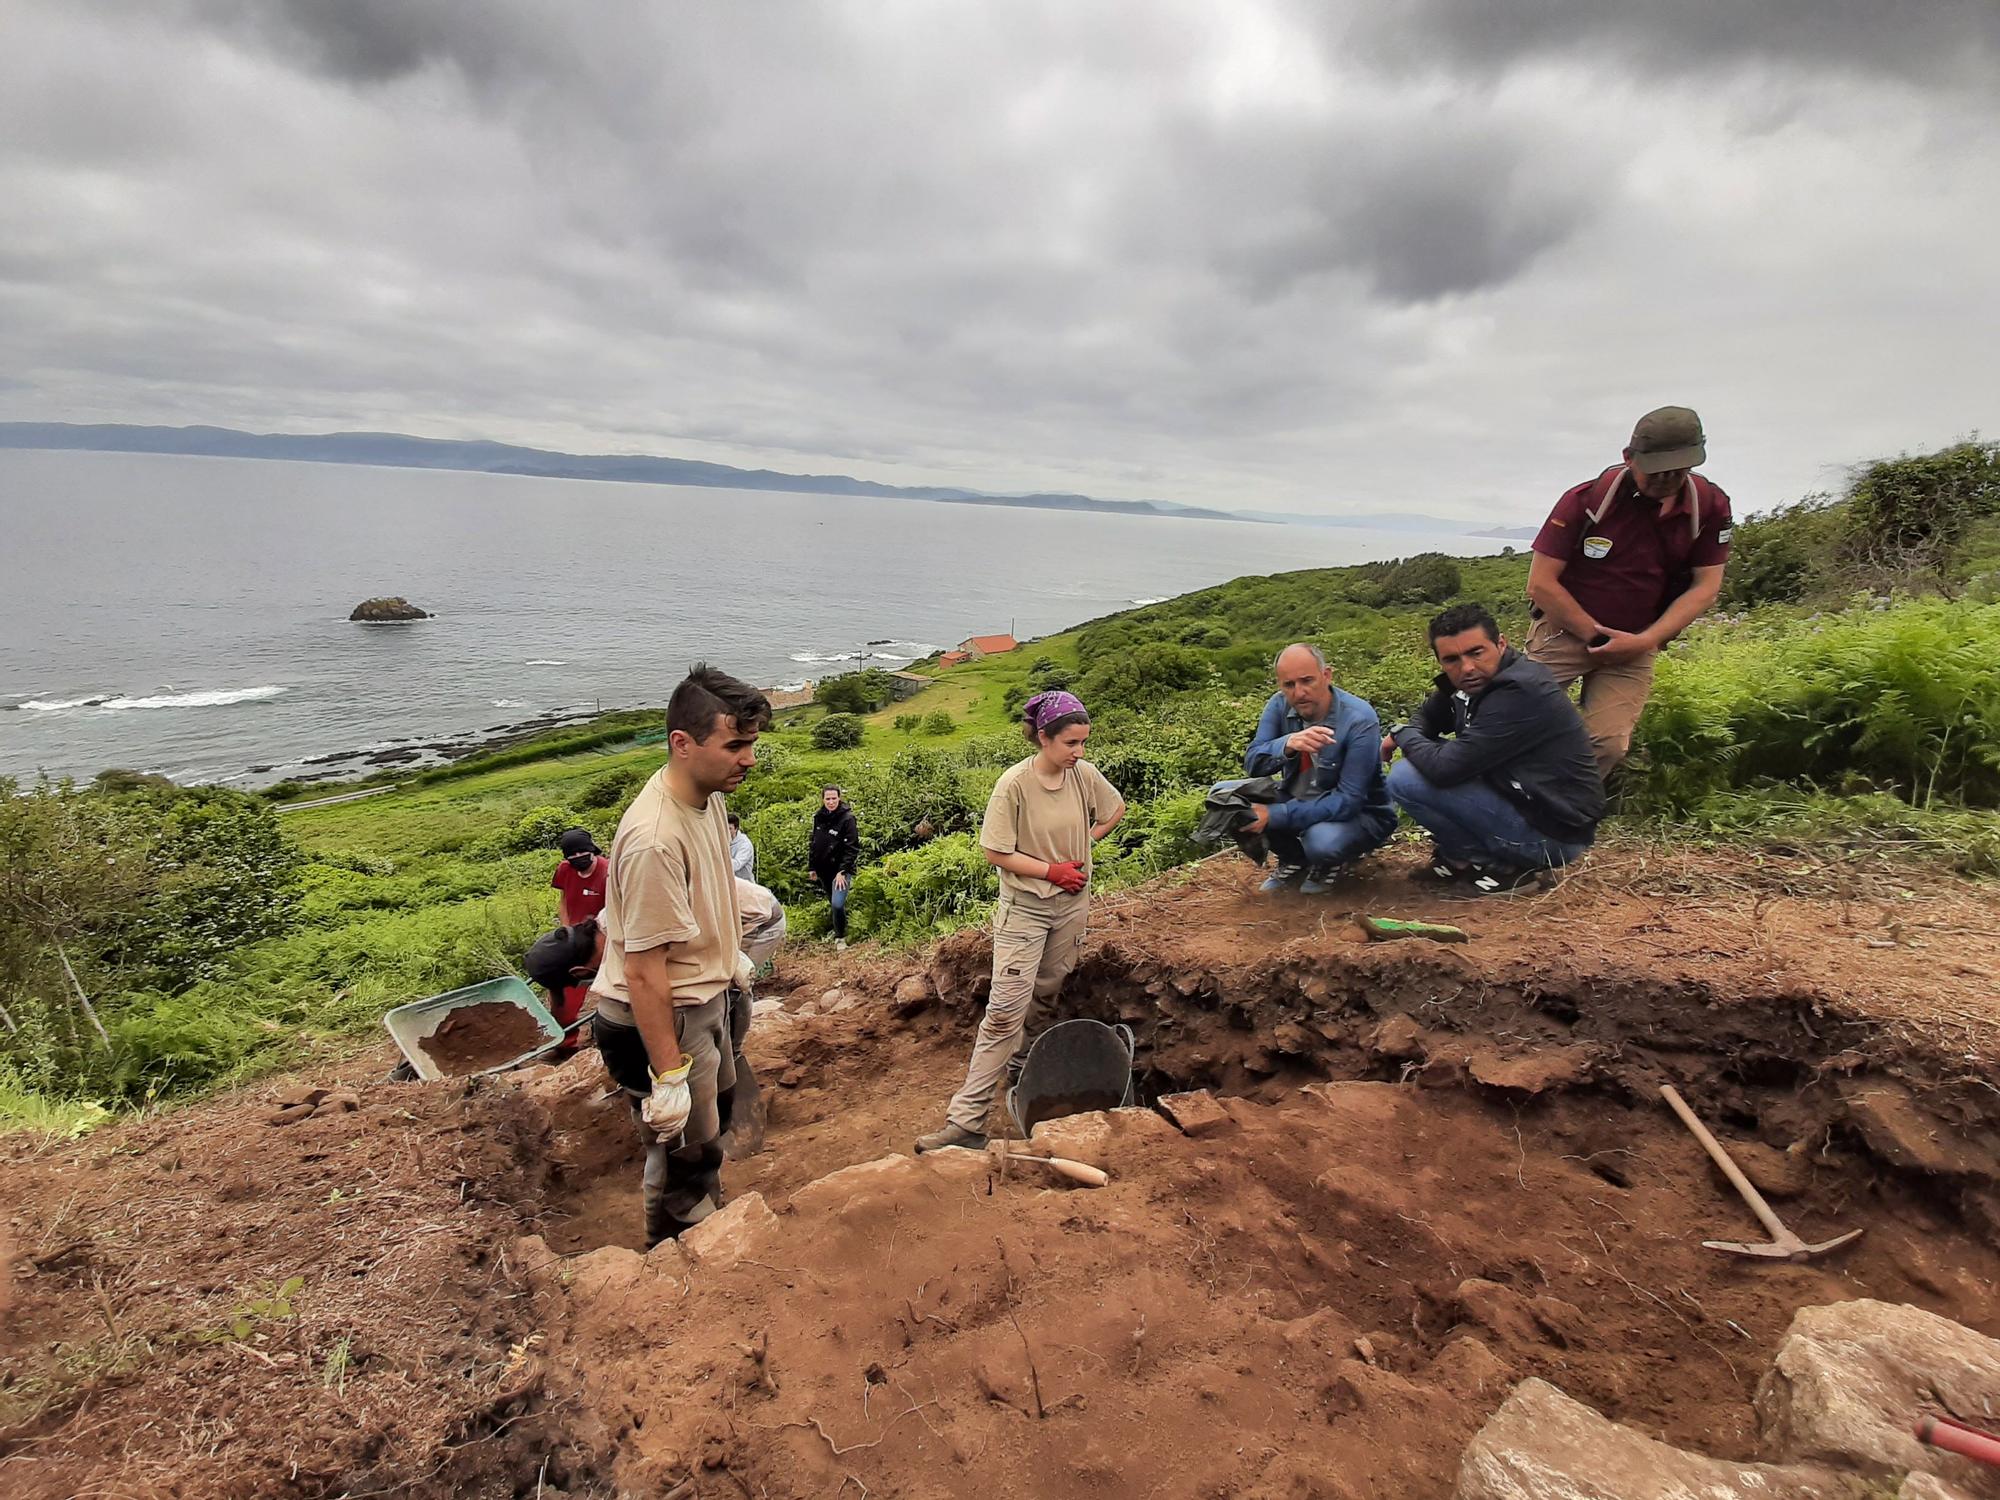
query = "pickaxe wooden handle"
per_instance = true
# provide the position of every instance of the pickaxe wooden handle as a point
(1784, 1244)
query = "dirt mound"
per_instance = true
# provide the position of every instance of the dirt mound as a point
(476, 1037)
(204, 1305)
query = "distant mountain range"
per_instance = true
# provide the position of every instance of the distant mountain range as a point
(399, 451)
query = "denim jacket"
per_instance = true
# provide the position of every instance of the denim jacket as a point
(1346, 781)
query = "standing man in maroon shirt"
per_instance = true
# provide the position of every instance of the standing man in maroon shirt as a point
(1624, 563)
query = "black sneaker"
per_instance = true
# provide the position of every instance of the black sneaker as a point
(1501, 880)
(1282, 878)
(1441, 871)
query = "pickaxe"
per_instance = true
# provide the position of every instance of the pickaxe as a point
(1784, 1244)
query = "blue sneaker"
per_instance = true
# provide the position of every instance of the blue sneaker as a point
(1282, 878)
(1319, 881)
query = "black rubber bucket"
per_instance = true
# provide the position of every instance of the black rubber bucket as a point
(1073, 1067)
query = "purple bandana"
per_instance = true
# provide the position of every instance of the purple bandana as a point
(1045, 708)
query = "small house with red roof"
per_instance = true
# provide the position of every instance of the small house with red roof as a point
(988, 645)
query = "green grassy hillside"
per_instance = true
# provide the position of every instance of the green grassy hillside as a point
(217, 938)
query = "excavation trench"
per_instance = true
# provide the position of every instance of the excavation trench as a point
(1435, 1173)
(1430, 1185)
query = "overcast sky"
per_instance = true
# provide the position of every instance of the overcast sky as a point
(1430, 256)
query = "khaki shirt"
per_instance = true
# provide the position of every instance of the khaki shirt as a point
(670, 885)
(1025, 817)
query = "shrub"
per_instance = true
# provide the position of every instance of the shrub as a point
(837, 732)
(909, 723)
(922, 892)
(919, 786)
(1045, 673)
(782, 834)
(1141, 678)
(1001, 748)
(540, 828)
(612, 789)
(1905, 516)
(1902, 699)
(1153, 837)
(939, 723)
(1427, 578)
(856, 692)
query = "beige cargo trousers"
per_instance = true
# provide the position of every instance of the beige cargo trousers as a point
(1613, 694)
(1036, 942)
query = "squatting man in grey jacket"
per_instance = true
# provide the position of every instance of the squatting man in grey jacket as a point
(1497, 764)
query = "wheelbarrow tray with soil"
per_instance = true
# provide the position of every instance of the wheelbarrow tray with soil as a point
(482, 1028)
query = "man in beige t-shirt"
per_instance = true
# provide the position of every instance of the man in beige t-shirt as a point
(673, 972)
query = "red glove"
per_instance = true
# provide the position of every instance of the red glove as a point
(1068, 873)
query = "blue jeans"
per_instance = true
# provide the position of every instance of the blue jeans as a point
(837, 894)
(1472, 822)
(1321, 845)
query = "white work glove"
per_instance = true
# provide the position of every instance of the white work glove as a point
(667, 1108)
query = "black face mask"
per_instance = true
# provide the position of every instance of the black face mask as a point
(581, 863)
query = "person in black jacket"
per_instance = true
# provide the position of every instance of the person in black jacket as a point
(1497, 764)
(836, 844)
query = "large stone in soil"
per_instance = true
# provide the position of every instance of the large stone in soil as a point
(880, 1187)
(1850, 1381)
(1083, 1137)
(731, 1233)
(1532, 1072)
(1903, 1133)
(1774, 1173)
(912, 994)
(1196, 1113)
(1541, 1445)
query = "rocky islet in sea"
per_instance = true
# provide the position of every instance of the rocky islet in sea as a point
(391, 609)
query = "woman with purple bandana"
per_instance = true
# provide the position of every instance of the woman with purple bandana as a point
(1043, 817)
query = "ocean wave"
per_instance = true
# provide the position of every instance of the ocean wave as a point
(1142, 603)
(904, 651)
(543, 661)
(112, 702)
(509, 703)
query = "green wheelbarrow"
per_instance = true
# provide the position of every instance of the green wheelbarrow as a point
(482, 1028)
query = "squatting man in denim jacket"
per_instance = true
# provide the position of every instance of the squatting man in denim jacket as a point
(1321, 744)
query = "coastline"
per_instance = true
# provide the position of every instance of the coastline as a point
(343, 767)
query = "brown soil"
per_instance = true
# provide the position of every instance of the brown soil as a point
(477, 1037)
(1324, 1298)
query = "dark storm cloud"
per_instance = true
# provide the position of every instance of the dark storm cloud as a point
(1928, 42)
(375, 41)
(1257, 252)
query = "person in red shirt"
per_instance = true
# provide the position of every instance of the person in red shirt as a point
(580, 877)
(1624, 563)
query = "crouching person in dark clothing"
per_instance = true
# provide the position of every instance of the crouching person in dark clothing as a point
(564, 962)
(1497, 764)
